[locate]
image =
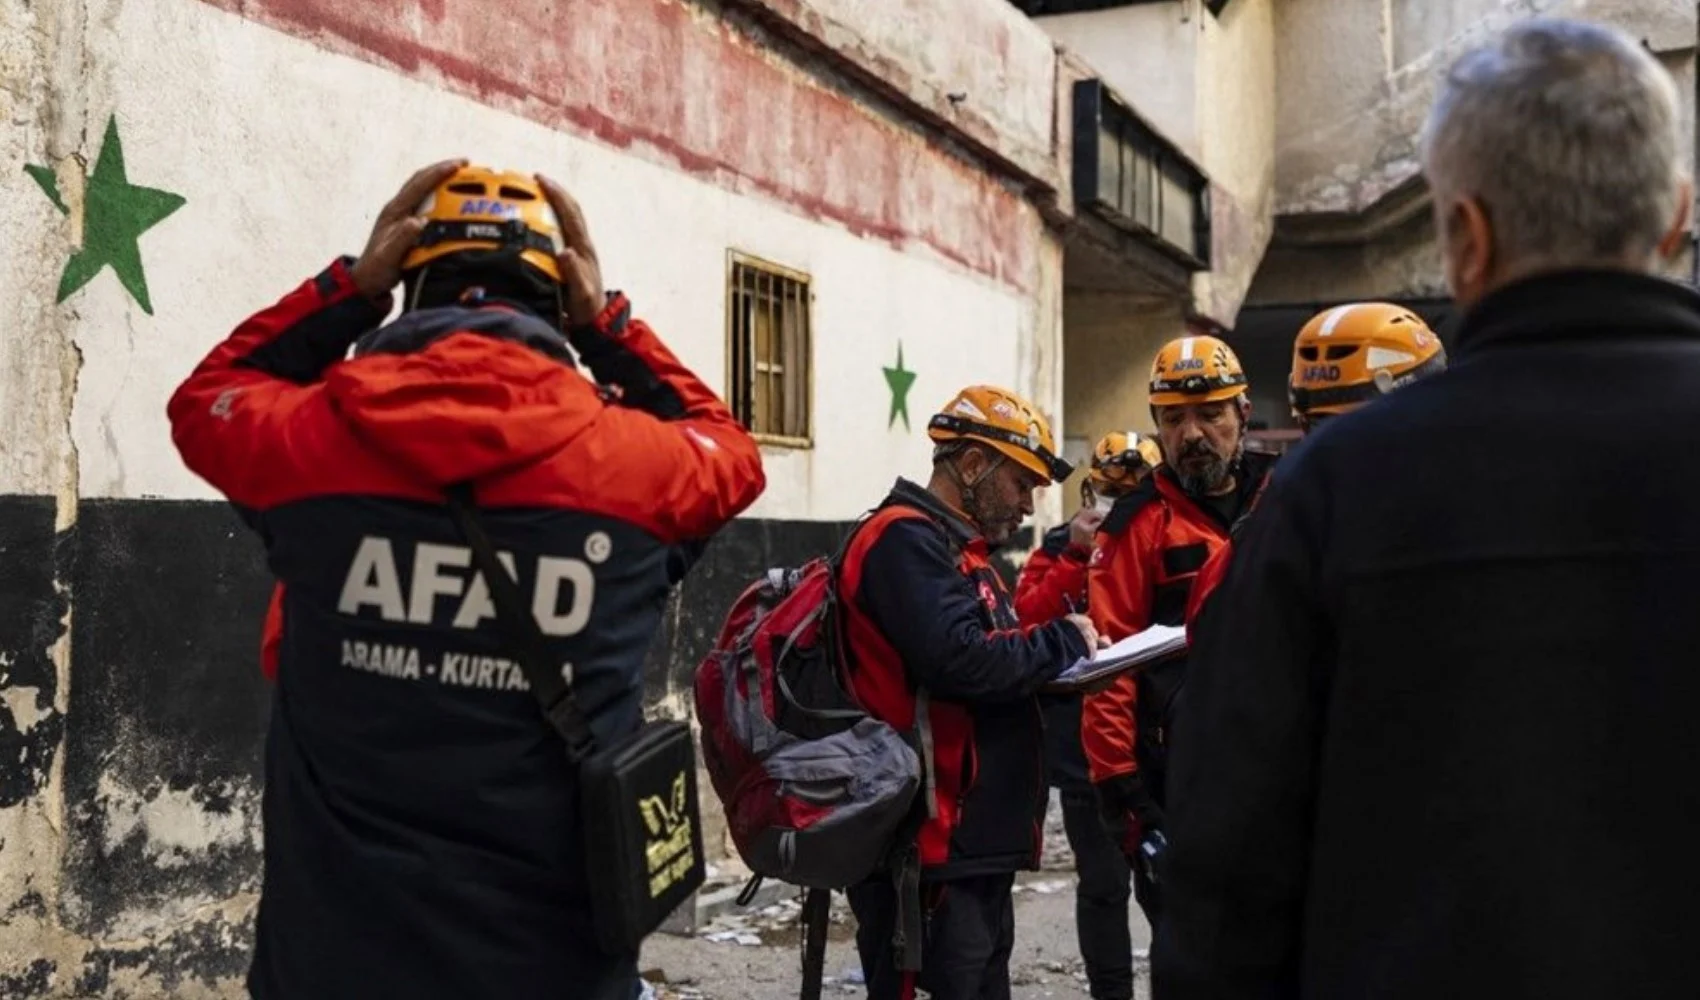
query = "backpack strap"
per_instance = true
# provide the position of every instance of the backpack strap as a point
(905, 860)
(523, 638)
(817, 914)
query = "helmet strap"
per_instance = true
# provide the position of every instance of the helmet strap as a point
(966, 489)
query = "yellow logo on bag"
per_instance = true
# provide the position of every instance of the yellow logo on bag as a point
(668, 851)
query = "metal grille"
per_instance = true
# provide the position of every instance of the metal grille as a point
(770, 350)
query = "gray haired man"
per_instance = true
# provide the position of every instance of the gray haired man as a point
(1439, 737)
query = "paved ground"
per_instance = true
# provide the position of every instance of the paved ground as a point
(714, 965)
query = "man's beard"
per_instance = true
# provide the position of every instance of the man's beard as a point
(997, 521)
(1207, 479)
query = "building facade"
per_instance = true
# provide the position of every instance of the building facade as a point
(838, 215)
(1306, 115)
(838, 211)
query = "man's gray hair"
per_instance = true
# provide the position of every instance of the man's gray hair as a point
(1567, 133)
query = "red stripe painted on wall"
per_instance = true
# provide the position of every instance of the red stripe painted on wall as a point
(665, 80)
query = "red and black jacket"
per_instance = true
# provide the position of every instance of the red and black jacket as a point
(923, 607)
(1144, 571)
(1053, 584)
(422, 835)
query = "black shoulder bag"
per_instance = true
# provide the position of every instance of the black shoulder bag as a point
(637, 797)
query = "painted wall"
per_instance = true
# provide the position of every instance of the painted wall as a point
(213, 154)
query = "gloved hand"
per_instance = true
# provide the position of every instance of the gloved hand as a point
(596, 320)
(1129, 813)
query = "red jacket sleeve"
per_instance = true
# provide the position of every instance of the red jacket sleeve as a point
(271, 637)
(237, 410)
(1119, 598)
(709, 466)
(1051, 586)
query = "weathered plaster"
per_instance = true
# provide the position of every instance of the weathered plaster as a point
(1207, 84)
(978, 68)
(1349, 126)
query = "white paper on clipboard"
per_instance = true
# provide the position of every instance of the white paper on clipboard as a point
(1155, 643)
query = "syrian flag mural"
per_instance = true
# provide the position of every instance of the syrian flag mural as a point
(215, 154)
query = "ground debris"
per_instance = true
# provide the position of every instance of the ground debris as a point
(777, 923)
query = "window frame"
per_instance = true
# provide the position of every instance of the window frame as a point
(741, 393)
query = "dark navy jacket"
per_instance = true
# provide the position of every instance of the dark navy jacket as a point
(925, 608)
(422, 838)
(1439, 734)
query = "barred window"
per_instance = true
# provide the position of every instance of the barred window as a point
(769, 350)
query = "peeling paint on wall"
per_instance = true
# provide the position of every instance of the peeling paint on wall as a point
(692, 91)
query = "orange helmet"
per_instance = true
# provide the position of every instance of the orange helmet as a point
(1001, 419)
(1196, 369)
(477, 208)
(1119, 457)
(1350, 354)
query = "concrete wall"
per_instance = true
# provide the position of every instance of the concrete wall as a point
(131, 708)
(1149, 54)
(1111, 341)
(1357, 79)
(981, 67)
(1208, 84)
(1237, 88)
(1352, 214)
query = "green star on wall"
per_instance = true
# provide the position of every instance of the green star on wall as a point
(899, 380)
(115, 215)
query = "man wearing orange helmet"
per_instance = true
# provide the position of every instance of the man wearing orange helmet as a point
(935, 647)
(1342, 358)
(1145, 560)
(1053, 584)
(423, 827)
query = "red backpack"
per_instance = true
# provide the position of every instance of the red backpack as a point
(818, 793)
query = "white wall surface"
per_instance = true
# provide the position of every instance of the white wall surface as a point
(285, 152)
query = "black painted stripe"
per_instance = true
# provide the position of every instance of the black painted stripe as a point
(168, 600)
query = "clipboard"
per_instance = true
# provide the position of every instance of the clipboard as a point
(1154, 645)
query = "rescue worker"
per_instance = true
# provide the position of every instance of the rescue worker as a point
(422, 837)
(1053, 584)
(1145, 559)
(931, 631)
(1342, 358)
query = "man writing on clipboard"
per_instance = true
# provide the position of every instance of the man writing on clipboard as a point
(1146, 557)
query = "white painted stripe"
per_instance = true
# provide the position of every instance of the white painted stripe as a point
(1186, 348)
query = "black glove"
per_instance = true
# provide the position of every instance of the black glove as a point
(611, 362)
(1128, 812)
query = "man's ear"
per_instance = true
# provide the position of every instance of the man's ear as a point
(1671, 244)
(971, 463)
(1471, 227)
